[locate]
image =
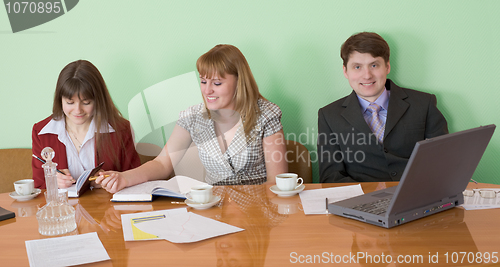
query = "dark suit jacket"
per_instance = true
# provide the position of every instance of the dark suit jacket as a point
(349, 152)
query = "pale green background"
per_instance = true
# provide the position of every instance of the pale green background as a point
(448, 48)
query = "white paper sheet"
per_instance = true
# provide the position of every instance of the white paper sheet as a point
(314, 201)
(66, 250)
(175, 225)
(477, 202)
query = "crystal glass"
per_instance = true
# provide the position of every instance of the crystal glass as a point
(57, 217)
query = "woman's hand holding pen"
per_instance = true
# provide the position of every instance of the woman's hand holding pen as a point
(93, 178)
(64, 180)
(111, 181)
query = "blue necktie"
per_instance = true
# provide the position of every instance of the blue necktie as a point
(376, 124)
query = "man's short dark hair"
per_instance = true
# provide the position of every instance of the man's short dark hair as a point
(365, 42)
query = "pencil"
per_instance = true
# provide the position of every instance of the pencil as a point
(95, 177)
(43, 161)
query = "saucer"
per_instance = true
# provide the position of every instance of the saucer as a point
(202, 206)
(17, 197)
(290, 193)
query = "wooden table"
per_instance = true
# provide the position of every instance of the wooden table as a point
(277, 233)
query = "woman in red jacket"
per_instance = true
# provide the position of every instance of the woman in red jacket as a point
(85, 128)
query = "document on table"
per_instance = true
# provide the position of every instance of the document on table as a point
(314, 201)
(66, 250)
(477, 202)
(174, 225)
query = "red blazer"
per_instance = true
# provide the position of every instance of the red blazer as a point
(129, 158)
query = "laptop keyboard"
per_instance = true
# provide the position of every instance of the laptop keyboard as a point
(376, 207)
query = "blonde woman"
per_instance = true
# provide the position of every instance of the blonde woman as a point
(237, 131)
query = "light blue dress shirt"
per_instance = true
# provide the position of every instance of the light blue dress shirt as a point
(382, 101)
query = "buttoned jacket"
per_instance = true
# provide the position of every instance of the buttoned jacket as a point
(349, 152)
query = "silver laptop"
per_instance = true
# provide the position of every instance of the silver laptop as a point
(437, 173)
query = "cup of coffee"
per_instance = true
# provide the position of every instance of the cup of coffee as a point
(288, 181)
(24, 187)
(200, 194)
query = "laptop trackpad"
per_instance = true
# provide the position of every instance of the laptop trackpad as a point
(382, 194)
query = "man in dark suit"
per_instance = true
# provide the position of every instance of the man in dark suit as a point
(368, 136)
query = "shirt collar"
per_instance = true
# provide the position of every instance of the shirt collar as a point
(59, 128)
(382, 100)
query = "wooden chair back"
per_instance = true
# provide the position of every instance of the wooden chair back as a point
(299, 160)
(15, 164)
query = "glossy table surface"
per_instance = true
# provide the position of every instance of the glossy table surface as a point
(277, 233)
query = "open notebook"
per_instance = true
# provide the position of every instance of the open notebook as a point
(82, 183)
(177, 187)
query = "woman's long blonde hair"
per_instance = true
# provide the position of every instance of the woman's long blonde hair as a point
(227, 59)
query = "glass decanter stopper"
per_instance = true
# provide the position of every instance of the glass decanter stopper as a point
(57, 217)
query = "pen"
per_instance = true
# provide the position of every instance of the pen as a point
(95, 177)
(473, 181)
(148, 218)
(43, 161)
(326, 205)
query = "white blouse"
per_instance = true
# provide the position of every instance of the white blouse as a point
(77, 162)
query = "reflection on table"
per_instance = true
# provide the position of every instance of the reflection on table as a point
(276, 233)
(392, 243)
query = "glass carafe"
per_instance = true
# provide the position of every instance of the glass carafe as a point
(57, 217)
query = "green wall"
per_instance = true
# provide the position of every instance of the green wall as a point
(448, 48)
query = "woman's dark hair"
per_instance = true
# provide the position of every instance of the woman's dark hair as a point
(83, 80)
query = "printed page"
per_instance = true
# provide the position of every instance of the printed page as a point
(176, 226)
(66, 251)
(131, 232)
(314, 201)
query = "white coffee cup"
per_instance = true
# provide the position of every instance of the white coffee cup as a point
(288, 181)
(200, 194)
(24, 187)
